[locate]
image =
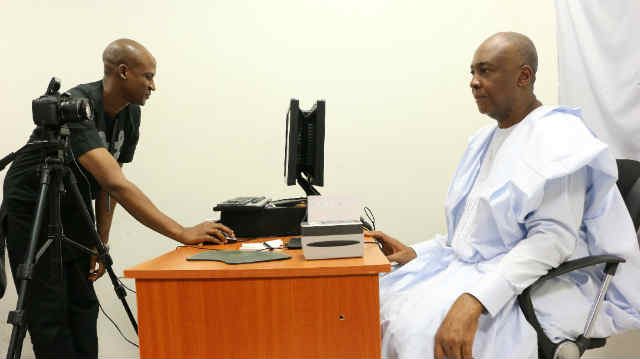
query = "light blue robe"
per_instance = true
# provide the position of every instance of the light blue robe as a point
(549, 146)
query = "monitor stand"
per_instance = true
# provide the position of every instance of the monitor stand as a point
(309, 190)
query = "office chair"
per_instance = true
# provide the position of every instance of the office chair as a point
(629, 186)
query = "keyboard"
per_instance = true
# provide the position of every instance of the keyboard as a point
(242, 203)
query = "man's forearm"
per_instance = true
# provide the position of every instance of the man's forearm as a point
(142, 209)
(105, 206)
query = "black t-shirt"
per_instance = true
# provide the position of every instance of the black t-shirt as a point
(22, 181)
(119, 135)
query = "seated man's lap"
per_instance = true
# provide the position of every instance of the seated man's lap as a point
(411, 317)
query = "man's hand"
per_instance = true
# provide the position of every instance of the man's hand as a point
(95, 273)
(392, 248)
(205, 232)
(455, 336)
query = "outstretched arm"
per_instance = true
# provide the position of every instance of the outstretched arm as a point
(109, 175)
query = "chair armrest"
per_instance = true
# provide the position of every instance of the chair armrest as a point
(546, 348)
(569, 266)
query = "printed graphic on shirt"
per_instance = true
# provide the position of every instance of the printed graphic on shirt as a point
(103, 137)
(117, 145)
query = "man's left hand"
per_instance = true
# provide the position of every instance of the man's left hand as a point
(455, 336)
(96, 269)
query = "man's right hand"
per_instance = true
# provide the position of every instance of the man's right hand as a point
(392, 248)
(205, 232)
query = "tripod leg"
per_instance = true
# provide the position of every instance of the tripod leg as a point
(54, 231)
(121, 293)
(103, 255)
(25, 270)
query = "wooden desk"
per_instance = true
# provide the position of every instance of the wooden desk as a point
(288, 308)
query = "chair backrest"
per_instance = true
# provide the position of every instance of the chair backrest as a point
(629, 186)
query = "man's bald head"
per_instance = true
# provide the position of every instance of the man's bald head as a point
(517, 44)
(504, 69)
(124, 51)
(129, 70)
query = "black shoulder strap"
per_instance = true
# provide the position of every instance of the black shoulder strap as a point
(3, 237)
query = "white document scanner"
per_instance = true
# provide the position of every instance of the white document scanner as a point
(324, 240)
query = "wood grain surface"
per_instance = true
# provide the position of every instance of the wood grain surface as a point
(289, 308)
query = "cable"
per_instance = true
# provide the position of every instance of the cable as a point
(116, 325)
(372, 218)
(105, 313)
(86, 180)
(73, 158)
(371, 226)
(127, 288)
(90, 211)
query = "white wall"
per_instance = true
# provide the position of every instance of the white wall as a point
(394, 74)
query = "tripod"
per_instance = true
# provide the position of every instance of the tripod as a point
(54, 172)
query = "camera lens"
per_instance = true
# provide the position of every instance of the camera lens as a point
(75, 110)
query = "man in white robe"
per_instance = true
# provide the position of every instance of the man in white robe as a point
(531, 192)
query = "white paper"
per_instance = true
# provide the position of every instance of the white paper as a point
(327, 209)
(275, 243)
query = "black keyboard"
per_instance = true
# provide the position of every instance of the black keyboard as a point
(244, 200)
(242, 203)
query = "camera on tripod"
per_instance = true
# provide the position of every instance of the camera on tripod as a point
(54, 109)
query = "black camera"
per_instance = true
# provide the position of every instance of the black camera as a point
(54, 109)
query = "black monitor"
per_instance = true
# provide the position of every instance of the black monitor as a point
(304, 152)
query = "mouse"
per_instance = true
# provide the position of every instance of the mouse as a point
(229, 239)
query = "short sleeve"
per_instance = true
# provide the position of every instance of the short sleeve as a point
(84, 138)
(84, 135)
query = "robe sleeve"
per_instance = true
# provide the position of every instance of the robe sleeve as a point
(552, 232)
(425, 247)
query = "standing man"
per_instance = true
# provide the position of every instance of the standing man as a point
(531, 191)
(62, 308)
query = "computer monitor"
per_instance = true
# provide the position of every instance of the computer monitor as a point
(304, 151)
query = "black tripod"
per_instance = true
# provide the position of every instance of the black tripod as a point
(54, 172)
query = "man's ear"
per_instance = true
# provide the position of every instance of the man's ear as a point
(123, 71)
(526, 76)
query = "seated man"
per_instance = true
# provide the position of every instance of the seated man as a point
(530, 193)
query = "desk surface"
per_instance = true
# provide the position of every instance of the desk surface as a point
(174, 265)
